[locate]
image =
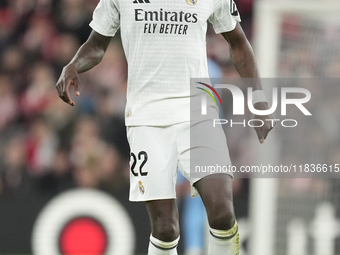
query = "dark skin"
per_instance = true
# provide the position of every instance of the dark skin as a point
(216, 193)
(88, 56)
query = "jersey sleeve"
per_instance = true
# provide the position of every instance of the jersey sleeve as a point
(225, 16)
(106, 18)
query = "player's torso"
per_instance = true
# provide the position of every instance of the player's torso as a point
(164, 42)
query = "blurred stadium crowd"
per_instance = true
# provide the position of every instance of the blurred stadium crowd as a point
(46, 145)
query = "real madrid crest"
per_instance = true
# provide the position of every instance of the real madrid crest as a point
(191, 2)
(141, 187)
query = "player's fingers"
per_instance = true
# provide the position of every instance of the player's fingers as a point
(76, 87)
(69, 100)
(63, 98)
(59, 87)
(265, 130)
(58, 90)
(258, 131)
(62, 94)
(267, 127)
(66, 94)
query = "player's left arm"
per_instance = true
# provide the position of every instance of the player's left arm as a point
(242, 56)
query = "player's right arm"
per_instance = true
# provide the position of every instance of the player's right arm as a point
(88, 56)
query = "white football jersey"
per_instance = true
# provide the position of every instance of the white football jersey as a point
(165, 45)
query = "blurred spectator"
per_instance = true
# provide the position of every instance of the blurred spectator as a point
(86, 143)
(12, 64)
(41, 146)
(40, 92)
(59, 178)
(74, 16)
(12, 60)
(37, 39)
(62, 118)
(8, 102)
(14, 174)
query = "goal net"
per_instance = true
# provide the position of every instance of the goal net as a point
(300, 39)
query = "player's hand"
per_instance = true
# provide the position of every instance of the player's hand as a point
(268, 120)
(68, 77)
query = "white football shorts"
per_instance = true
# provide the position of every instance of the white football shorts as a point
(158, 151)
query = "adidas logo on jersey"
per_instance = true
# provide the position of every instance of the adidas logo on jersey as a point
(141, 1)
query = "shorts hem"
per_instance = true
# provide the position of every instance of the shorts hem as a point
(151, 199)
(194, 191)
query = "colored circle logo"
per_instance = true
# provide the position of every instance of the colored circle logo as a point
(83, 236)
(83, 222)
